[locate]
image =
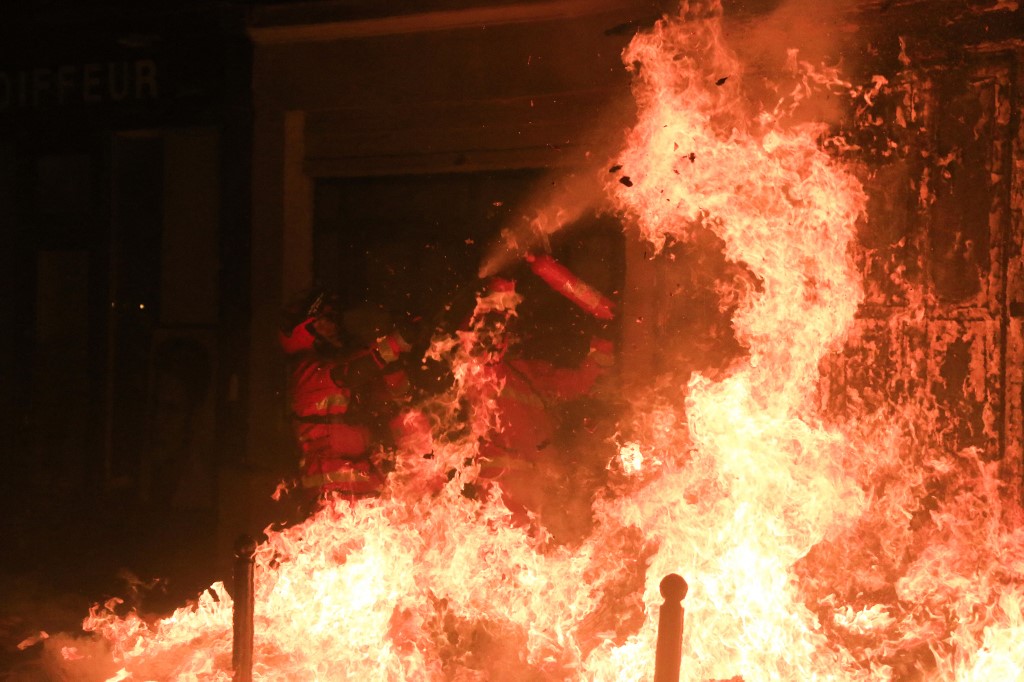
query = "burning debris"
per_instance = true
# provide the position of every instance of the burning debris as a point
(817, 543)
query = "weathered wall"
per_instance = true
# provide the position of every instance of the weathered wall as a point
(940, 251)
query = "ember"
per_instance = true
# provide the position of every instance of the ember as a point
(815, 546)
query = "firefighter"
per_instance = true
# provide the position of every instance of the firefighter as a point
(345, 400)
(548, 409)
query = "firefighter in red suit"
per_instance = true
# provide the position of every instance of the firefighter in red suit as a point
(343, 404)
(532, 458)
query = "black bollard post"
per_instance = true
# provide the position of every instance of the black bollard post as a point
(669, 654)
(242, 617)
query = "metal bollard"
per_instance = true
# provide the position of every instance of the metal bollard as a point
(669, 654)
(242, 616)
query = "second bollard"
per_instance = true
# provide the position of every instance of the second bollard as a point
(669, 654)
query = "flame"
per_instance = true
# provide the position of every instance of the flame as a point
(815, 547)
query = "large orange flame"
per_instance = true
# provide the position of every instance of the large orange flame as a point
(814, 549)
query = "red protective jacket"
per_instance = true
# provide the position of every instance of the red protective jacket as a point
(338, 406)
(528, 405)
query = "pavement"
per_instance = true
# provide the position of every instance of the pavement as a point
(63, 553)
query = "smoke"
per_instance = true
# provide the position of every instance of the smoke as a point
(75, 658)
(820, 29)
(560, 200)
(778, 50)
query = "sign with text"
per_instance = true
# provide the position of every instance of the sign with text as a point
(81, 84)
